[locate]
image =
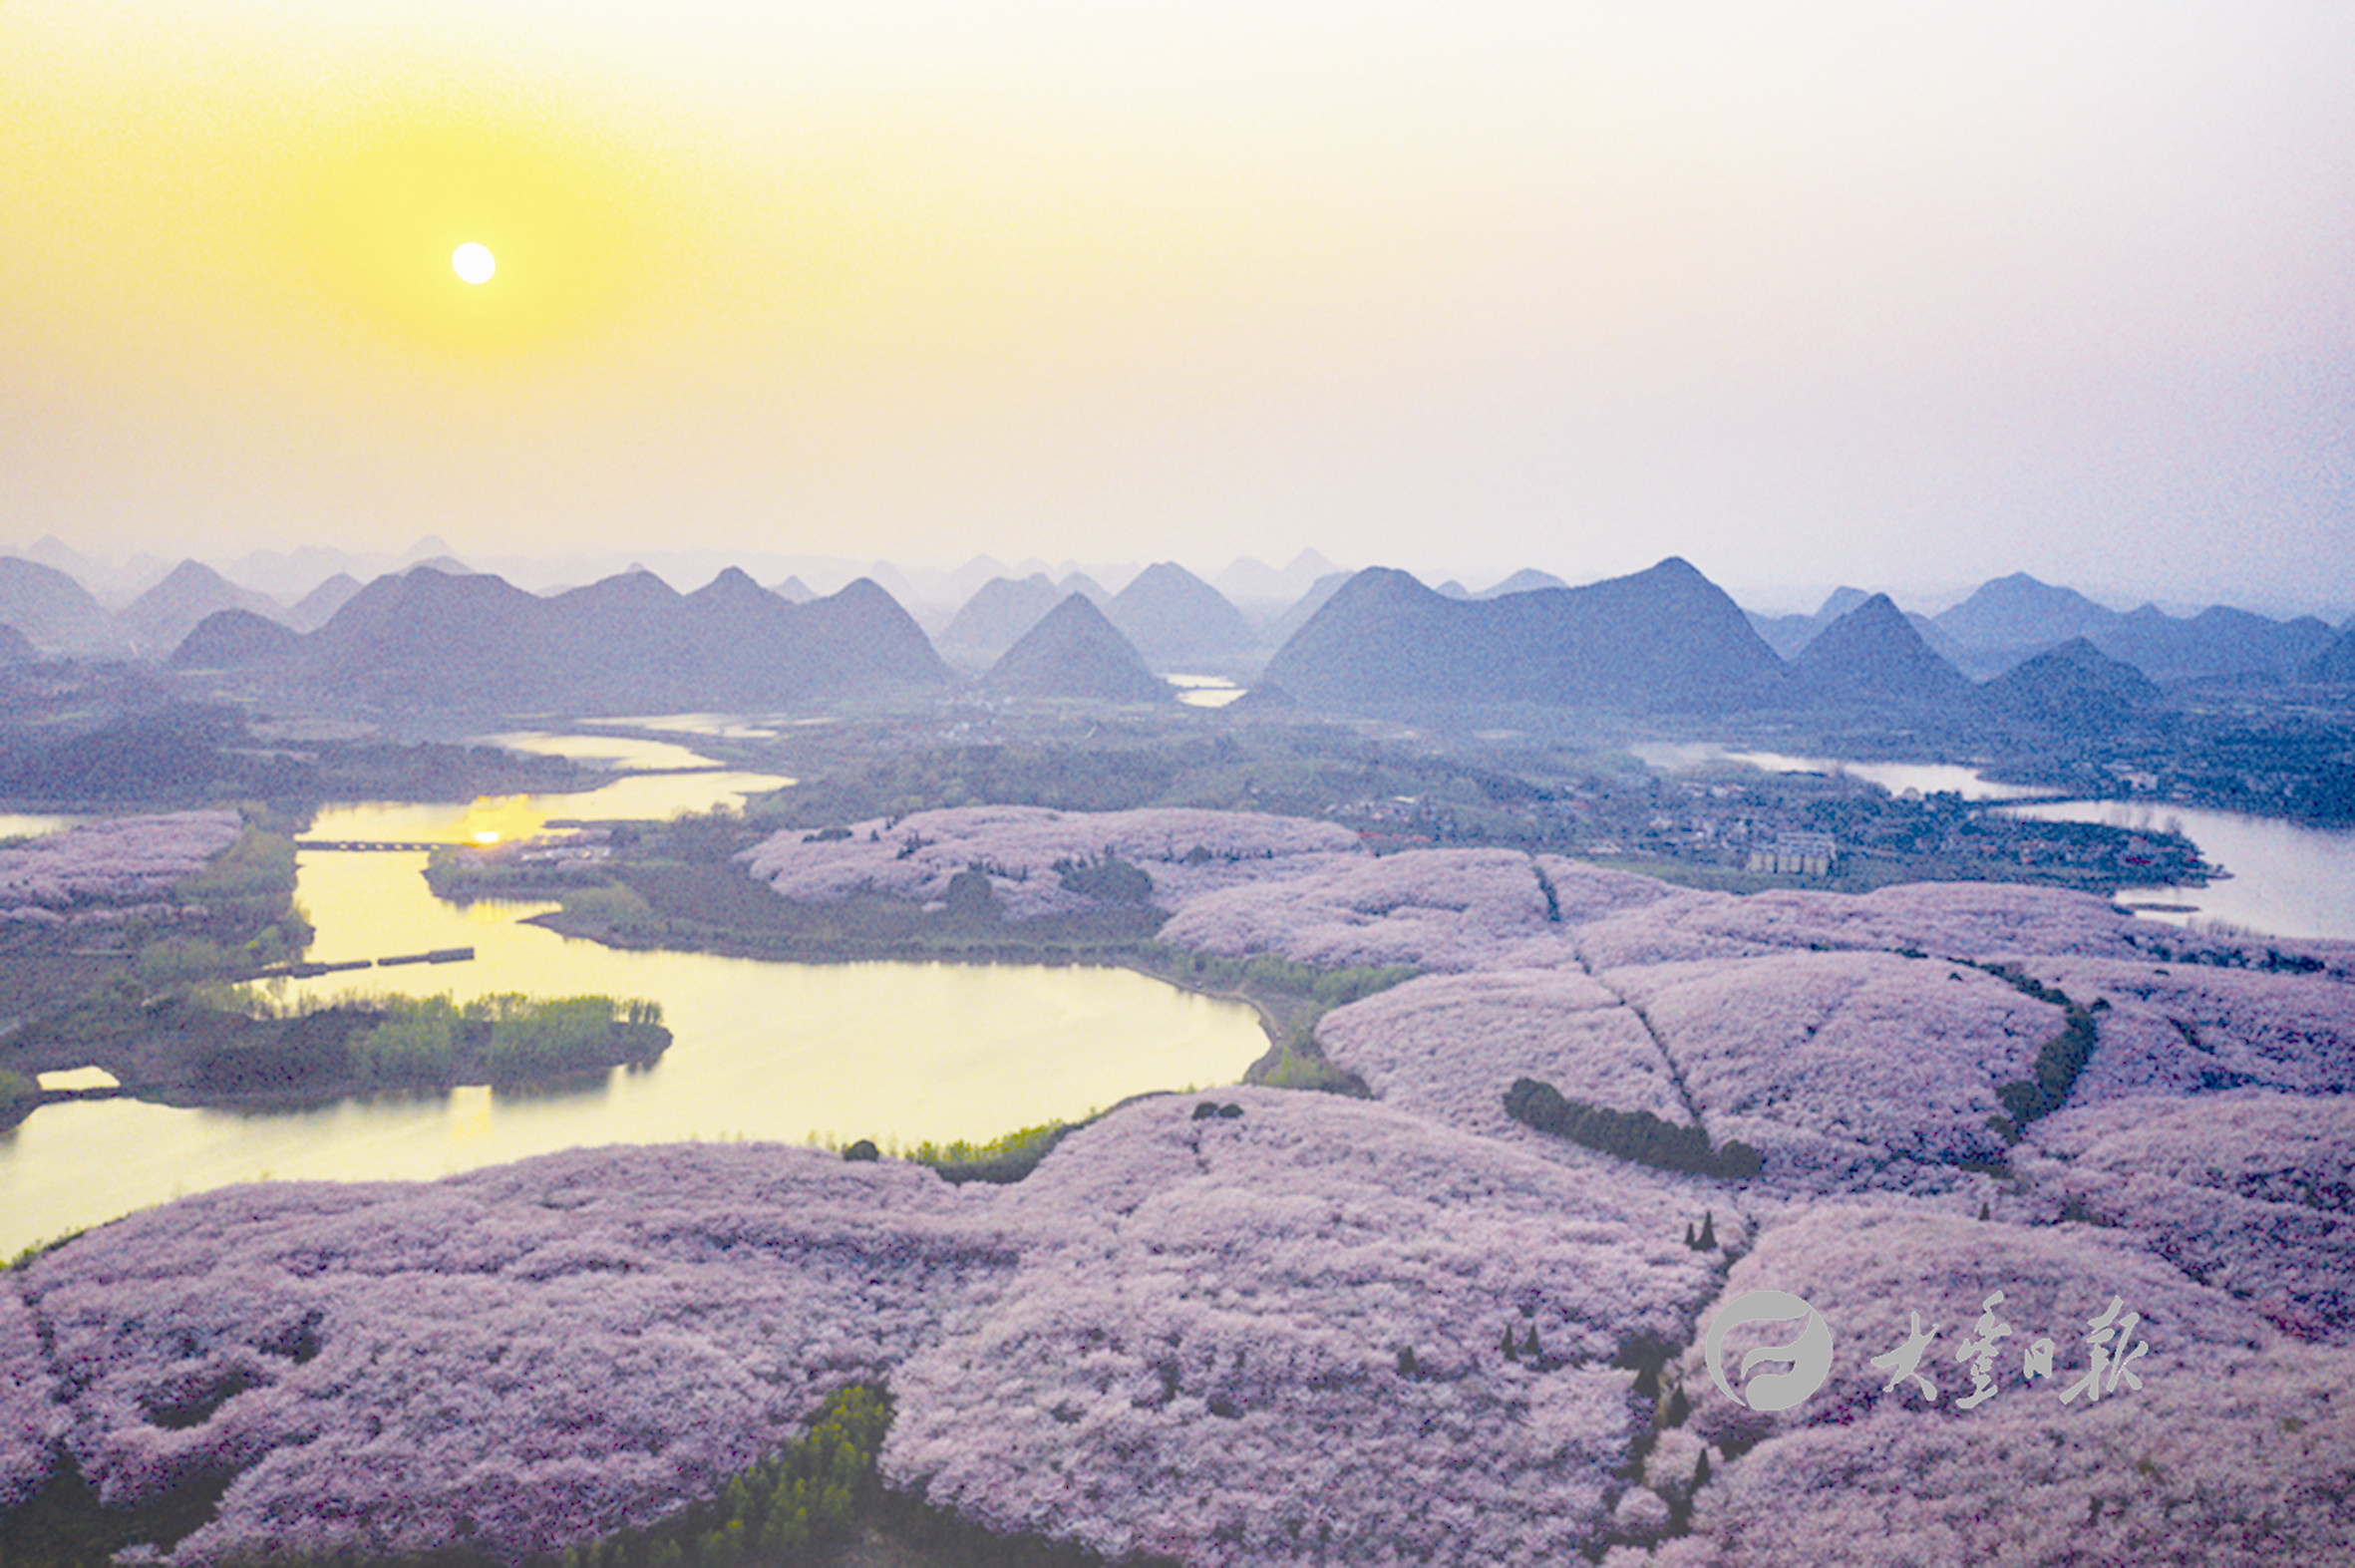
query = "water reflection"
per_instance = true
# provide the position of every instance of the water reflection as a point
(1204, 691)
(635, 797)
(787, 1051)
(722, 726)
(602, 750)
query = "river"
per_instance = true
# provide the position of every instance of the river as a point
(898, 1052)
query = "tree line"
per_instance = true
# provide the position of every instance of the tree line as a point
(1629, 1135)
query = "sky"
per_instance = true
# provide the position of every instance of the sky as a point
(1905, 297)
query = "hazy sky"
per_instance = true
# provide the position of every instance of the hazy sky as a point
(1903, 296)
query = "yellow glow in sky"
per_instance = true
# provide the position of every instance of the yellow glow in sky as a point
(401, 225)
(1829, 288)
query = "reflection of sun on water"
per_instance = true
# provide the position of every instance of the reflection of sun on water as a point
(496, 819)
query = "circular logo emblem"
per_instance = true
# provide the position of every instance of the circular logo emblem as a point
(1810, 1355)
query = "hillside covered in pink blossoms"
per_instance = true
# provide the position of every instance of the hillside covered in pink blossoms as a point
(109, 869)
(1262, 1327)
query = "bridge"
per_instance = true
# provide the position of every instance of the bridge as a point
(307, 970)
(370, 846)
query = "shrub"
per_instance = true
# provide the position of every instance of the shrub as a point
(554, 1038)
(1111, 879)
(416, 1046)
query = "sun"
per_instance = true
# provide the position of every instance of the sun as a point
(479, 231)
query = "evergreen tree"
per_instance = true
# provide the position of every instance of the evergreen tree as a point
(1708, 1231)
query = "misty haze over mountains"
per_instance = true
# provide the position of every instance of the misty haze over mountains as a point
(432, 631)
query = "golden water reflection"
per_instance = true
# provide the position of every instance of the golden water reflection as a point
(894, 1052)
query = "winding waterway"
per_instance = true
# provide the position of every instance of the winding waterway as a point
(898, 1052)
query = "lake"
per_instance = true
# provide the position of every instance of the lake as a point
(2286, 880)
(898, 1052)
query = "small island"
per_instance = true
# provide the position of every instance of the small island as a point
(224, 1046)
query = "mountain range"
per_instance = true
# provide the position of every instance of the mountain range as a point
(1666, 640)
(2010, 619)
(1662, 640)
(632, 642)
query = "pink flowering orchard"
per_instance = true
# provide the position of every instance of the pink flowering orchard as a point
(2069, 1194)
(108, 865)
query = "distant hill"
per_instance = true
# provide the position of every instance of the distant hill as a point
(1177, 620)
(997, 615)
(744, 640)
(2019, 612)
(1873, 653)
(160, 619)
(2074, 688)
(1788, 634)
(57, 555)
(315, 608)
(794, 591)
(51, 610)
(864, 641)
(231, 639)
(15, 647)
(965, 581)
(425, 638)
(1074, 651)
(623, 638)
(293, 574)
(2336, 664)
(2215, 642)
(1666, 640)
(892, 582)
(1526, 580)
(2014, 618)
(428, 638)
(1280, 630)
(1252, 584)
